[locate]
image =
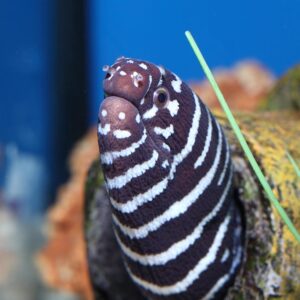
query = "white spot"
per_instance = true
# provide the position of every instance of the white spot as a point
(130, 61)
(164, 145)
(104, 130)
(134, 172)
(122, 115)
(118, 68)
(121, 134)
(160, 82)
(138, 119)
(143, 66)
(225, 255)
(165, 164)
(150, 113)
(142, 101)
(176, 84)
(173, 107)
(123, 73)
(165, 132)
(104, 113)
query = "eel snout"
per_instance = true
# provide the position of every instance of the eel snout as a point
(129, 81)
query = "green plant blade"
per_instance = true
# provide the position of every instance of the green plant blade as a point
(294, 164)
(241, 138)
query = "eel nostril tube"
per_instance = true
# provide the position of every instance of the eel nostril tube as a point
(109, 71)
(105, 68)
(137, 78)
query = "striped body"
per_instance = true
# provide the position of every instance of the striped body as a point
(168, 173)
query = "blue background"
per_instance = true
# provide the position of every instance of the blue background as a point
(226, 31)
(51, 58)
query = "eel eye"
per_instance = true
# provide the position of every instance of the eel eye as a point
(160, 97)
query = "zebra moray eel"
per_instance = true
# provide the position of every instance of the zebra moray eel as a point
(169, 176)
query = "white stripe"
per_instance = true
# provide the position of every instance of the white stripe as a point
(121, 134)
(136, 171)
(201, 158)
(148, 196)
(140, 199)
(180, 206)
(193, 274)
(220, 283)
(179, 247)
(150, 82)
(226, 165)
(178, 158)
(109, 157)
(165, 132)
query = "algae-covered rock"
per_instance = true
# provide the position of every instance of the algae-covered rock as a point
(286, 92)
(272, 255)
